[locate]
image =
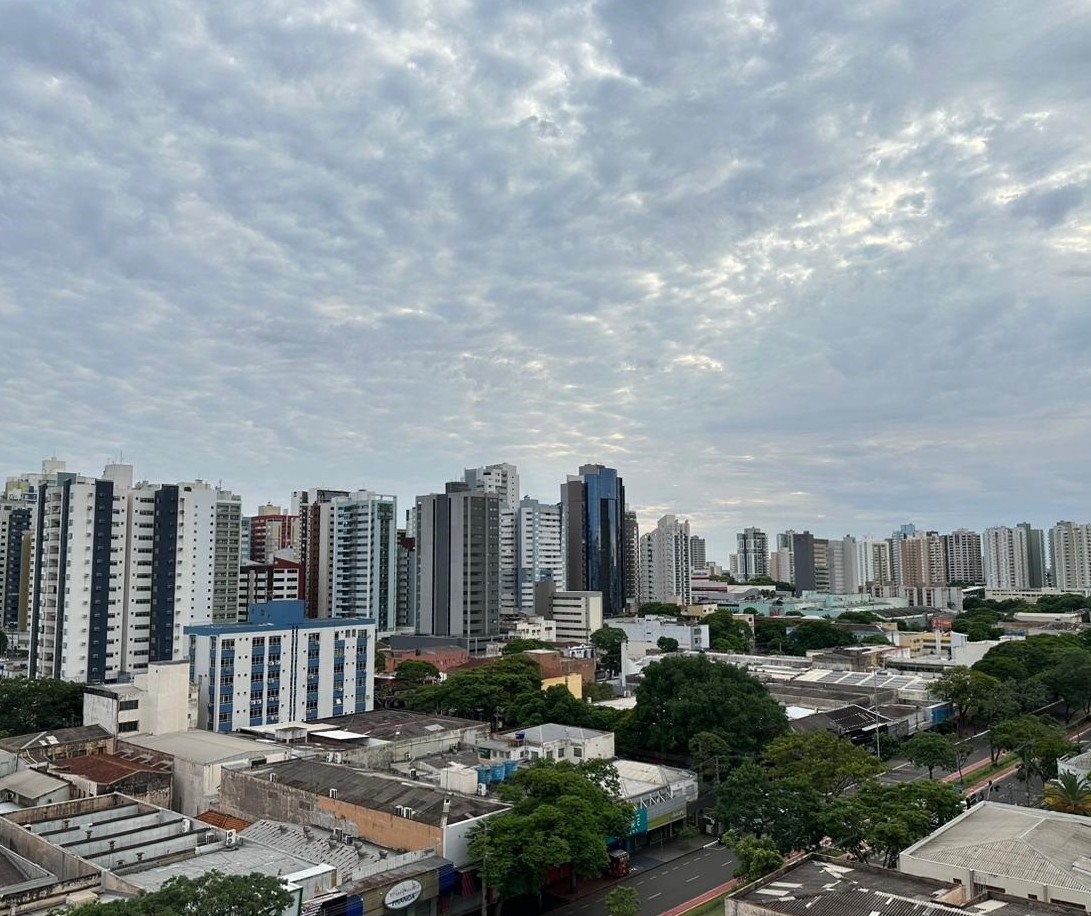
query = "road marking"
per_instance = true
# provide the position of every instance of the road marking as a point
(694, 878)
(710, 845)
(653, 896)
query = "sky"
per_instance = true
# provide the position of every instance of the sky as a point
(816, 265)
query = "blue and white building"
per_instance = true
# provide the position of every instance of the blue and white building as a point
(281, 667)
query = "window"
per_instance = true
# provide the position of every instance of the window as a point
(128, 727)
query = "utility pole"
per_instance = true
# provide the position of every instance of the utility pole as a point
(484, 862)
(875, 704)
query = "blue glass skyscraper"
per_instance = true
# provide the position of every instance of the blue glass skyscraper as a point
(594, 523)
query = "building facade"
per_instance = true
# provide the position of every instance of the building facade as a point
(458, 571)
(281, 667)
(539, 549)
(752, 554)
(596, 558)
(665, 563)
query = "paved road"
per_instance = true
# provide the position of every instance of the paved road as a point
(667, 885)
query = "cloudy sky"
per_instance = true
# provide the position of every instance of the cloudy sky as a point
(818, 264)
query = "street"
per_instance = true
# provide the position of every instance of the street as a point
(666, 885)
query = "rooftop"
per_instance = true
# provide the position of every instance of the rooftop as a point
(543, 734)
(105, 769)
(199, 746)
(394, 724)
(826, 887)
(639, 778)
(1043, 847)
(47, 739)
(316, 845)
(31, 783)
(377, 791)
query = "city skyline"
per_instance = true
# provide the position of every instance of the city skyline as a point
(813, 267)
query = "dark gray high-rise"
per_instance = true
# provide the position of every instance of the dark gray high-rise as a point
(457, 538)
(596, 555)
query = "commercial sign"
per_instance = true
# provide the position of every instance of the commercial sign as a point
(403, 894)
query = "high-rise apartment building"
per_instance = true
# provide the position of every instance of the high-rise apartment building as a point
(364, 557)
(406, 612)
(1037, 567)
(596, 557)
(630, 544)
(665, 563)
(279, 580)
(752, 554)
(119, 570)
(843, 562)
(271, 531)
(962, 549)
(314, 548)
(698, 557)
(76, 606)
(1070, 554)
(15, 526)
(539, 549)
(1005, 558)
(458, 572)
(503, 480)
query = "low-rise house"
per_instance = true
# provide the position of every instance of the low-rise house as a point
(660, 795)
(57, 744)
(104, 774)
(30, 788)
(550, 742)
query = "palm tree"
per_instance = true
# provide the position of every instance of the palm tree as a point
(1069, 793)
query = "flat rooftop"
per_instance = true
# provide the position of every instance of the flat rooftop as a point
(48, 739)
(199, 746)
(393, 724)
(376, 791)
(819, 886)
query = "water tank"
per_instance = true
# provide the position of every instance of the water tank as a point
(484, 775)
(510, 766)
(498, 772)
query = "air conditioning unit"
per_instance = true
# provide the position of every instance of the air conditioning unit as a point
(231, 840)
(333, 793)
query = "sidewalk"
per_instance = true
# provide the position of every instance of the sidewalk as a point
(641, 860)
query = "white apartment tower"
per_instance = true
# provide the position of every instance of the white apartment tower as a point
(963, 555)
(539, 549)
(365, 557)
(1006, 558)
(503, 480)
(1070, 553)
(665, 562)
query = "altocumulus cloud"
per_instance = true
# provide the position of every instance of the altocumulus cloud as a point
(814, 264)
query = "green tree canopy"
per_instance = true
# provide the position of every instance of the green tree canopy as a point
(964, 688)
(682, 695)
(561, 815)
(857, 617)
(666, 644)
(484, 692)
(788, 811)
(930, 749)
(757, 857)
(1038, 743)
(515, 646)
(726, 634)
(608, 642)
(828, 764)
(623, 901)
(212, 894)
(658, 609)
(413, 669)
(885, 819)
(39, 705)
(1069, 793)
(1069, 677)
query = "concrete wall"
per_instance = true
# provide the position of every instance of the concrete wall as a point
(382, 756)
(249, 796)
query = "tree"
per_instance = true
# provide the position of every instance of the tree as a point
(608, 641)
(823, 761)
(1069, 793)
(964, 689)
(485, 692)
(658, 609)
(561, 815)
(857, 617)
(682, 695)
(726, 634)
(817, 634)
(710, 754)
(929, 749)
(415, 670)
(41, 704)
(3, 642)
(1039, 744)
(623, 901)
(885, 819)
(757, 857)
(788, 811)
(514, 646)
(212, 894)
(1070, 679)
(666, 644)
